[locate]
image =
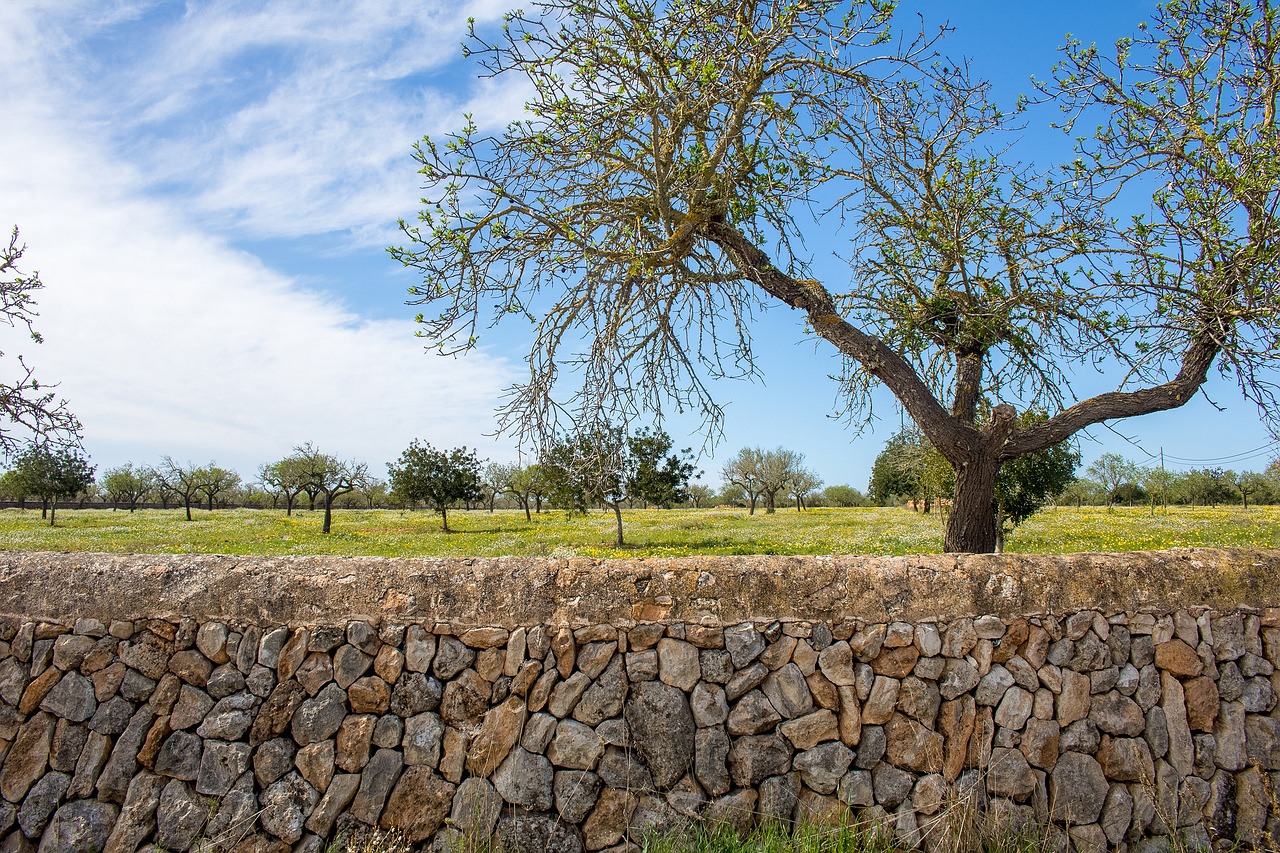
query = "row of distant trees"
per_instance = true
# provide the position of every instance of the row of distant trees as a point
(1114, 479)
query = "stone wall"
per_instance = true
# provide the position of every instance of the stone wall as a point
(199, 703)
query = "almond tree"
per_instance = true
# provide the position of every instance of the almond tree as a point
(675, 156)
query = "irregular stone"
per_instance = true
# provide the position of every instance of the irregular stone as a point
(1181, 754)
(276, 712)
(179, 757)
(415, 693)
(71, 698)
(678, 664)
(856, 789)
(180, 816)
(808, 731)
(663, 728)
(525, 780)
(891, 785)
(744, 644)
(756, 757)
(1077, 789)
(230, 718)
(609, 819)
(341, 792)
(744, 680)
(423, 739)
(643, 665)
(1117, 814)
(836, 663)
(535, 833)
(896, 663)
(822, 767)
(575, 746)
(959, 639)
(575, 794)
(711, 753)
(1117, 714)
(619, 768)
(1075, 700)
(605, 697)
(226, 680)
(315, 763)
(958, 677)
(566, 694)
(349, 664)
(708, 704)
(992, 687)
(788, 692)
(220, 765)
(1040, 743)
(273, 759)
(1126, 759)
(286, 804)
(113, 782)
(867, 643)
(872, 747)
(1014, 709)
(379, 777)
(882, 702)
(419, 804)
(90, 763)
(1179, 659)
(956, 721)
(41, 802)
(778, 798)
(1229, 734)
(920, 700)
(752, 714)
(369, 695)
(912, 746)
(419, 649)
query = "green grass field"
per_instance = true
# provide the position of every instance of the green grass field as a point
(664, 533)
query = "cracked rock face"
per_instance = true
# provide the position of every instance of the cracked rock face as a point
(549, 732)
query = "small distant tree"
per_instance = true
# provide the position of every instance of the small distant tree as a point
(330, 477)
(128, 485)
(843, 495)
(526, 485)
(1111, 471)
(1251, 483)
(593, 465)
(801, 483)
(217, 481)
(1208, 486)
(659, 477)
(496, 482)
(1081, 491)
(742, 472)
(439, 478)
(287, 479)
(181, 481)
(1158, 482)
(50, 473)
(700, 495)
(12, 487)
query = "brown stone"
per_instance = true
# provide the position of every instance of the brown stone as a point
(38, 689)
(1201, 696)
(897, 662)
(955, 720)
(609, 819)
(811, 729)
(418, 805)
(498, 733)
(155, 738)
(912, 746)
(369, 695)
(277, 712)
(1179, 659)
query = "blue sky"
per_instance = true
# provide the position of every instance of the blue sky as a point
(207, 190)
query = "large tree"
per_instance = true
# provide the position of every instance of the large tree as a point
(660, 186)
(659, 477)
(181, 481)
(25, 402)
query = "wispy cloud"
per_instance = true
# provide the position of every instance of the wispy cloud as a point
(165, 338)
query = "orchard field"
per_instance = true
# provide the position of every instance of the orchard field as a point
(668, 533)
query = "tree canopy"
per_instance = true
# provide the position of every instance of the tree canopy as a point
(439, 478)
(674, 157)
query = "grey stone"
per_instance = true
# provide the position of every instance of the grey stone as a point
(604, 698)
(756, 757)
(958, 676)
(920, 700)
(192, 707)
(536, 833)
(419, 649)
(1015, 708)
(788, 691)
(180, 815)
(379, 777)
(71, 698)
(179, 756)
(752, 714)
(711, 754)
(68, 740)
(113, 782)
(778, 798)
(872, 747)
(41, 802)
(744, 644)
(79, 827)
(643, 665)
(319, 717)
(663, 728)
(856, 788)
(349, 664)
(1080, 736)
(891, 785)
(575, 794)
(745, 679)
(341, 792)
(230, 718)
(224, 681)
(476, 807)
(423, 739)
(575, 746)
(991, 688)
(286, 804)
(389, 731)
(716, 665)
(93, 757)
(220, 765)
(1117, 714)
(1077, 789)
(822, 767)
(619, 768)
(414, 693)
(526, 780)
(451, 657)
(678, 664)
(708, 704)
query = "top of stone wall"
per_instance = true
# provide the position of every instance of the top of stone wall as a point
(513, 591)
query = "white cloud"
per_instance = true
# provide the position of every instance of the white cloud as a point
(167, 340)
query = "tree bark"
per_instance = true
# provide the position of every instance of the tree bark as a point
(971, 528)
(617, 513)
(186, 502)
(444, 517)
(328, 514)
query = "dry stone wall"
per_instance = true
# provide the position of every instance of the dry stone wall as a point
(139, 711)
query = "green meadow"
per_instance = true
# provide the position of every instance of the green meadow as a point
(648, 532)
